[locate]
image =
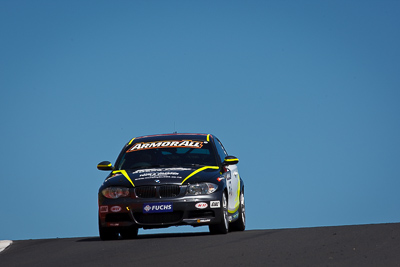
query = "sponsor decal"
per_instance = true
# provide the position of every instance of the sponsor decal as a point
(201, 205)
(103, 209)
(233, 217)
(147, 208)
(162, 170)
(219, 179)
(215, 204)
(115, 209)
(161, 177)
(161, 173)
(157, 207)
(173, 143)
(167, 174)
(203, 220)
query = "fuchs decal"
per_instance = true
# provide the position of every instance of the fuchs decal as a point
(157, 207)
(157, 144)
(147, 208)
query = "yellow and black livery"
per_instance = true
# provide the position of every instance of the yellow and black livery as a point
(171, 179)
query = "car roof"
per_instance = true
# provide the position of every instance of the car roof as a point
(174, 136)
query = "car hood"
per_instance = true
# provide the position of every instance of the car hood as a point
(157, 176)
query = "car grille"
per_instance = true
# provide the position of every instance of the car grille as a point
(158, 218)
(146, 191)
(157, 191)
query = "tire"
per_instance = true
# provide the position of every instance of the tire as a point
(129, 232)
(107, 233)
(223, 226)
(240, 223)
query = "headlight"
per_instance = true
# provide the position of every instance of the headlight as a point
(115, 192)
(201, 189)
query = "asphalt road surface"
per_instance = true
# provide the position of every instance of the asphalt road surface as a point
(358, 245)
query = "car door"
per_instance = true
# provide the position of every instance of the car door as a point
(234, 189)
(232, 180)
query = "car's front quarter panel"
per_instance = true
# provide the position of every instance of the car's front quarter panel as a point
(185, 209)
(189, 209)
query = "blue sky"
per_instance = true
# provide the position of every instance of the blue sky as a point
(305, 93)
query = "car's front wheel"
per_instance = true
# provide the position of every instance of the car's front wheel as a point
(223, 226)
(240, 223)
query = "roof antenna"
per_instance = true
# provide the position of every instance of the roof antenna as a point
(174, 129)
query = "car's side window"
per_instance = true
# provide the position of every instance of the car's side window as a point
(221, 150)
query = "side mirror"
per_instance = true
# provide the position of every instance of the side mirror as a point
(230, 160)
(105, 166)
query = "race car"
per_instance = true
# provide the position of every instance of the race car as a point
(169, 180)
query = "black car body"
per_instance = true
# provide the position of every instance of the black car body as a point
(168, 180)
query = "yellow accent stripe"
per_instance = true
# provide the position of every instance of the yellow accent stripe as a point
(103, 166)
(208, 137)
(237, 198)
(231, 160)
(123, 172)
(199, 170)
(130, 142)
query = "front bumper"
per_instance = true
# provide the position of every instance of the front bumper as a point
(181, 210)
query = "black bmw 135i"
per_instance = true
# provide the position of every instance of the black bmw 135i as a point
(168, 180)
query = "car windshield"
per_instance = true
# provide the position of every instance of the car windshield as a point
(179, 153)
